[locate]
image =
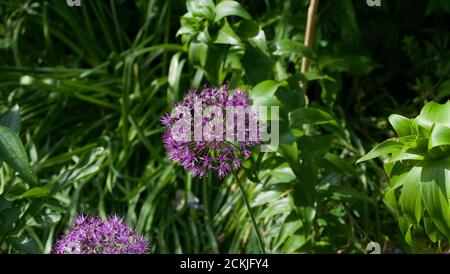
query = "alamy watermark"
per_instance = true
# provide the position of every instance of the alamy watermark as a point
(229, 124)
(73, 3)
(373, 3)
(373, 248)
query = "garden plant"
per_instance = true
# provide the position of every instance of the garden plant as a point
(352, 148)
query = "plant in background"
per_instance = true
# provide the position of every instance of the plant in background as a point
(419, 172)
(224, 41)
(92, 235)
(29, 206)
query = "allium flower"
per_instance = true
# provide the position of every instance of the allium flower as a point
(211, 145)
(91, 235)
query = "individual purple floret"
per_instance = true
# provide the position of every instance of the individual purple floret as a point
(92, 235)
(209, 152)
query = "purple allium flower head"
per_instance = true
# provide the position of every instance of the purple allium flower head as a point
(213, 150)
(91, 235)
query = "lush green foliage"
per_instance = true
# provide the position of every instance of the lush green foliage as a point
(420, 166)
(92, 82)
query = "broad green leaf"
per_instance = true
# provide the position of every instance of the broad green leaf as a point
(43, 220)
(435, 113)
(402, 156)
(435, 183)
(401, 125)
(304, 192)
(431, 229)
(259, 41)
(257, 65)
(391, 201)
(263, 94)
(265, 89)
(25, 244)
(386, 147)
(288, 146)
(439, 136)
(247, 29)
(230, 8)
(34, 192)
(314, 116)
(7, 219)
(411, 198)
(13, 153)
(227, 36)
(294, 243)
(198, 52)
(11, 119)
(319, 145)
(201, 8)
(281, 174)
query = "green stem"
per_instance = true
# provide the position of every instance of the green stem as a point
(249, 211)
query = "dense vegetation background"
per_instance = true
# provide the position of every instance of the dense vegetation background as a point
(100, 76)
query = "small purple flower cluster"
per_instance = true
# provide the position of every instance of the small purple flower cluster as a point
(91, 235)
(222, 156)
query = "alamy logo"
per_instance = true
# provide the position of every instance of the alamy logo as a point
(73, 3)
(373, 3)
(373, 248)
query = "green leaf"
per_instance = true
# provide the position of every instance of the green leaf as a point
(269, 195)
(319, 145)
(287, 47)
(11, 119)
(230, 8)
(290, 226)
(411, 198)
(386, 147)
(431, 229)
(257, 65)
(13, 153)
(175, 72)
(435, 113)
(263, 94)
(201, 8)
(265, 89)
(198, 52)
(439, 136)
(435, 182)
(314, 116)
(7, 219)
(288, 146)
(247, 29)
(227, 36)
(88, 166)
(34, 192)
(43, 220)
(24, 244)
(304, 193)
(401, 125)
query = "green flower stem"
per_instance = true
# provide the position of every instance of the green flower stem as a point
(249, 211)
